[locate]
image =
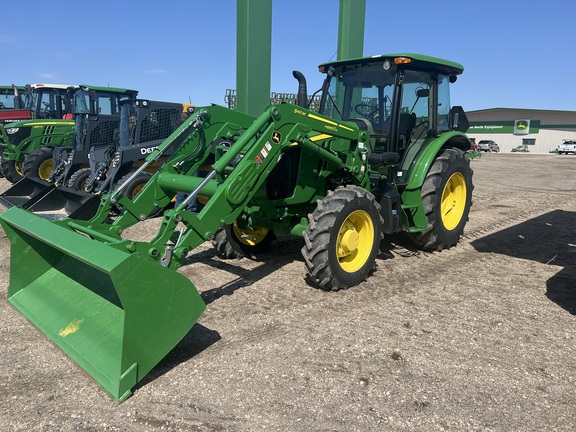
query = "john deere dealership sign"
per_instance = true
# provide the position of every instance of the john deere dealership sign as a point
(522, 127)
(516, 127)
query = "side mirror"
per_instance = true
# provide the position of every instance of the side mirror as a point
(458, 120)
(422, 92)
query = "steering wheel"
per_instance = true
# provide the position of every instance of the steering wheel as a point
(373, 111)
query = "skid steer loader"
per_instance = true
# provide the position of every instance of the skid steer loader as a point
(144, 125)
(385, 153)
(107, 148)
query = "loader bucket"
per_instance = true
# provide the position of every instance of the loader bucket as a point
(24, 191)
(45, 198)
(73, 203)
(115, 314)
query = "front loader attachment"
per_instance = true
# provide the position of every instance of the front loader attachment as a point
(115, 313)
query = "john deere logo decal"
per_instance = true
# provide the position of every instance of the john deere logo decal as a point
(522, 127)
(276, 137)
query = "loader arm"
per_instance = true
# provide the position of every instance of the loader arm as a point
(259, 147)
(254, 149)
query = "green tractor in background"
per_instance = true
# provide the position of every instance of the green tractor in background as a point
(36, 101)
(29, 143)
(14, 106)
(385, 153)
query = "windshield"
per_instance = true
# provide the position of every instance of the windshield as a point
(8, 100)
(361, 92)
(49, 103)
(81, 102)
(98, 102)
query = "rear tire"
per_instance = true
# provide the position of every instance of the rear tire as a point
(38, 164)
(447, 197)
(232, 242)
(12, 170)
(343, 238)
(135, 186)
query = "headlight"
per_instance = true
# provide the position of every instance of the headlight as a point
(12, 131)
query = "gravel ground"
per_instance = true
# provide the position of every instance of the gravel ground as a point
(480, 337)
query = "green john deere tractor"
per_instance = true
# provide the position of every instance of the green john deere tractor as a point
(385, 153)
(29, 143)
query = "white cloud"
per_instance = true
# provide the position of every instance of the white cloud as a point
(6, 39)
(156, 71)
(47, 75)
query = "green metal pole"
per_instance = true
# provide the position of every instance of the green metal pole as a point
(351, 18)
(253, 55)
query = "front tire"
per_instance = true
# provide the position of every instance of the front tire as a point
(12, 170)
(78, 179)
(343, 238)
(447, 197)
(38, 164)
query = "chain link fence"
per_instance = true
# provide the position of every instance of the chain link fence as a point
(275, 98)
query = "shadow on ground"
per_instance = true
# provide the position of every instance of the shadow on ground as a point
(196, 340)
(547, 239)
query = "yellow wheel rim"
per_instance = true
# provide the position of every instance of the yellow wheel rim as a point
(45, 169)
(355, 241)
(249, 237)
(137, 189)
(453, 201)
(18, 167)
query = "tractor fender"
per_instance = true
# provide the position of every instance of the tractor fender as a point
(425, 158)
(414, 216)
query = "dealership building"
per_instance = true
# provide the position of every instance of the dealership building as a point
(540, 130)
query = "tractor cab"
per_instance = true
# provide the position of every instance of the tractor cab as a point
(400, 99)
(49, 101)
(99, 100)
(14, 97)
(15, 102)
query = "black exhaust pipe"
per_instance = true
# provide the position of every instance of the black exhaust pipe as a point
(302, 89)
(17, 100)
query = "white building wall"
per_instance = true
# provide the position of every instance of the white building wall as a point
(555, 126)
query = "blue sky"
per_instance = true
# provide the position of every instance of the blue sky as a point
(516, 54)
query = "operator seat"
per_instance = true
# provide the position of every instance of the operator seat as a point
(378, 142)
(405, 128)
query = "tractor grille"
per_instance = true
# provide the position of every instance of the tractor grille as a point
(47, 134)
(22, 134)
(48, 130)
(104, 134)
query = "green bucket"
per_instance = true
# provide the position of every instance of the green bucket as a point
(116, 314)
